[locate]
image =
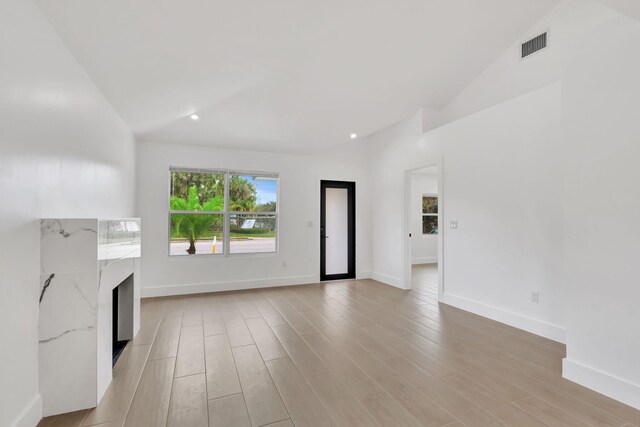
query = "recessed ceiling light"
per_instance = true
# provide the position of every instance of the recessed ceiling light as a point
(195, 117)
(353, 136)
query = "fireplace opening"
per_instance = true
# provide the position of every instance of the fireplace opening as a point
(122, 303)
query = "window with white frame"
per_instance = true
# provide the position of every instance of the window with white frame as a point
(222, 212)
(430, 214)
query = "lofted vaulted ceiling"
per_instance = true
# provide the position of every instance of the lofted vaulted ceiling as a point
(283, 75)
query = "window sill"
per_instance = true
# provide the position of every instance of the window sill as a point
(223, 257)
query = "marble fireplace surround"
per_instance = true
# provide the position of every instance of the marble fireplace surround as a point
(82, 261)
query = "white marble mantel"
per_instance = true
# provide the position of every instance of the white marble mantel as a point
(82, 261)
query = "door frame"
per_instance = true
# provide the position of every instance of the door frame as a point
(439, 162)
(351, 225)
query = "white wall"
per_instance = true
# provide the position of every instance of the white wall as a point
(602, 203)
(585, 199)
(502, 183)
(593, 51)
(393, 150)
(424, 247)
(524, 174)
(298, 260)
(509, 76)
(63, 152)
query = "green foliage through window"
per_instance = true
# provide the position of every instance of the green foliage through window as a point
(208, 186)
(429, 214)
(193, 226)
(429, 204)
(194, 230)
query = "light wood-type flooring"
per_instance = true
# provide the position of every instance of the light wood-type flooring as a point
(348, 353)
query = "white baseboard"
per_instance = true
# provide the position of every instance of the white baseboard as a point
(389, 280)
(199, 288)
(30, 415)
(424, 260)
(535, 326)
(602, 382)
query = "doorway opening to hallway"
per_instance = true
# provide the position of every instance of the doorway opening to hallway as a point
(423, 212)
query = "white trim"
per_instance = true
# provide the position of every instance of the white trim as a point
(30, 415)
(388, 280)
(198, 288)
(407, 260)
(226, 212)
(602, 382)
(428, 214)
(529, 324)
(441, 229)
(221, 171)
(425, 260)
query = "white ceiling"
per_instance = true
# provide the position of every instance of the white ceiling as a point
(628, 7)
(283, 75)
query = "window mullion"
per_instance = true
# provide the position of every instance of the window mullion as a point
(257, 242)
(227, 217)
(256, 213)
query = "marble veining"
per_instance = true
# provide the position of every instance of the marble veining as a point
(56, 226)
(68, 245)
(47, 282)
(66, 306)
(118, 239)
(92, 307)
(82, 260)
(88, 328)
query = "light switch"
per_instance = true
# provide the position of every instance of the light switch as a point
(309, 224)
(453, 225)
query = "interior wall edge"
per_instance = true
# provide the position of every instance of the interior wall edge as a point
(602, 382)
(525, 323)
(396, 282)
(360, 275)
(31, 415)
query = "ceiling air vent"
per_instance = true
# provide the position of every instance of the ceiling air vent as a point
(534, 45)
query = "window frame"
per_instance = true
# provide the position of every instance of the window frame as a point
(429, 214)
(226, 212)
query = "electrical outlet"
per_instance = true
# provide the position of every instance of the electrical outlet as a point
(284, 264)
(535, 297)
(453, 225)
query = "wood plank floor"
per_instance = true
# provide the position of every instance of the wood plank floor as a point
(349, 353)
